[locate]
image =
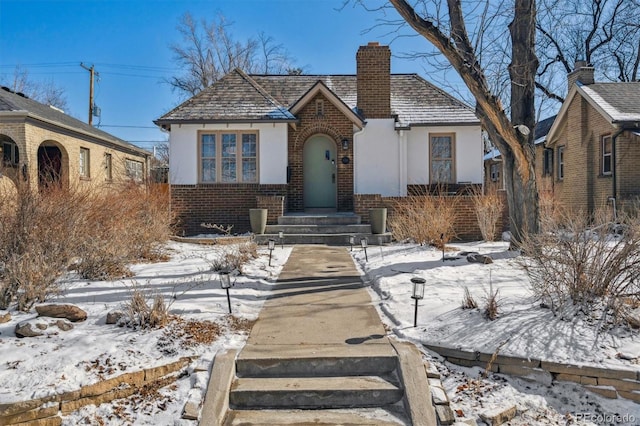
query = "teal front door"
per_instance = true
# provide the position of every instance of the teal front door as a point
(320, 173)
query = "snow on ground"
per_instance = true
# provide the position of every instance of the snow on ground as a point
(523, 329)
(34, 367)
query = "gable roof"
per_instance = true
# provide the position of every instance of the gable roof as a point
(539, 136)
(12, 103)
(618, 103)
(320, 87)
(242, 97)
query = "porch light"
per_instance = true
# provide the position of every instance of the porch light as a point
(418, 293)
(345, 144)
(271, 244)
(364, 243)
(225, 283)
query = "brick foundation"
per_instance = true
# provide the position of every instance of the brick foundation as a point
(466, 224)
(223, 204)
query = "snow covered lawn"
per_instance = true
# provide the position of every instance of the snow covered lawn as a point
(523, 328)
(92, 350)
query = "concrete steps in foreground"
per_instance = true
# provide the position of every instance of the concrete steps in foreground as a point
(377, 417)
(330, 384)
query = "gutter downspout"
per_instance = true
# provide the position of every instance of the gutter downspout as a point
(614, 176)
(355, 163)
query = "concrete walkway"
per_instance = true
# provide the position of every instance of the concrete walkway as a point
(320, 308)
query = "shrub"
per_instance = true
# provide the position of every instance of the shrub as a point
(39, 235)
(234, 257)
(424, 218)
(488, 207)
(143, 311)
(491, 303)
(585, 262)
(468, 302)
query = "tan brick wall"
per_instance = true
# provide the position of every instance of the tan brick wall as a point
(584, 187)
(373, 63)
(29, 136)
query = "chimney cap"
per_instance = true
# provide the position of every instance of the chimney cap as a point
(373, 43)
(581, 63)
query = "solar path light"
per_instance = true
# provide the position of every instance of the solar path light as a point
(418, 293)
(225, 283)
(364, 243)
(271, 244)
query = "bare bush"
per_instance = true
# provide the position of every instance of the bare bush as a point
(468, 302)
(44, 233)
(488, 207)
(424, 218)
(491, 303)
(585, 262)
(234, 257)
(39, 234)
(146, 312)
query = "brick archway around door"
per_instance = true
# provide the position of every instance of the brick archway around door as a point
(338, 129)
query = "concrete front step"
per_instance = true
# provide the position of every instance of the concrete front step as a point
(316, 360)
(329, 239)
(313, 393)
(319, 229)
(319, 219)
(373, 416)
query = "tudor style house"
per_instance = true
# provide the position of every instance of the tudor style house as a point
(41, 145)
(315, 143)
(595, 141)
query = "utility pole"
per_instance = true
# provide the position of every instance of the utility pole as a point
(92, 74)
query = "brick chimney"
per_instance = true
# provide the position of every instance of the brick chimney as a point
(373, 63)
(582, 72)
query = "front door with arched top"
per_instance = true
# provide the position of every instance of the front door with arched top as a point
(320, 173)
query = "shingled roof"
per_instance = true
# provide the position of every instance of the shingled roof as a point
(242, 97)
(620, 101)
(11, 102)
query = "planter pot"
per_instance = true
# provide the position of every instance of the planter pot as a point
(258, 219)
(378, 220)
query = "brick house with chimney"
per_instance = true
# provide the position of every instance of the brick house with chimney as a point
(595, 141)
(315, 143)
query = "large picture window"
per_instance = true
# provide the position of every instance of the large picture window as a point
(228, 157)
(442, 154)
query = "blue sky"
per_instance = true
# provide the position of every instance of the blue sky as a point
(128, 41)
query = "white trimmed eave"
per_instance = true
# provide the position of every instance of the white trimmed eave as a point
(319, 87)
(560, 117)
(21, 114)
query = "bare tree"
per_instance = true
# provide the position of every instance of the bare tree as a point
(446, 28)
(46, 92)
(208, 51)
(604, 33)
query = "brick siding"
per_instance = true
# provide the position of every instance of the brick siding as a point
(466, 223)
(223, 204)
(373, 64)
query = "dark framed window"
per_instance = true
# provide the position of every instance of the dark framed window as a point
(547, 164)
(560, 162)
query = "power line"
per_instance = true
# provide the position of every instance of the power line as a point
(129, 126)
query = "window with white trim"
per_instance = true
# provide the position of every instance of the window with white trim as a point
(441, 150)
(84, 163)
(607, 155)
(495, 172)
(228, 157)
(10, 153)
(134, 170)
(560, 162)
(108, 170)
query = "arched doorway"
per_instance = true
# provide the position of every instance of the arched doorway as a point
(320, 173)
(50, 162)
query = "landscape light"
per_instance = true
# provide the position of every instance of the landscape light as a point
(418, 293)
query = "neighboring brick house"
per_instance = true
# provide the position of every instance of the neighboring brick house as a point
(301, 143)
(596, 143)
(493, 174)
(40, 145)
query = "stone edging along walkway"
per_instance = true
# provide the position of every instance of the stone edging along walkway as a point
(44, 411)
(609, 383)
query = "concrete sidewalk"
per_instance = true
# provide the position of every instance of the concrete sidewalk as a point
(319, 323)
